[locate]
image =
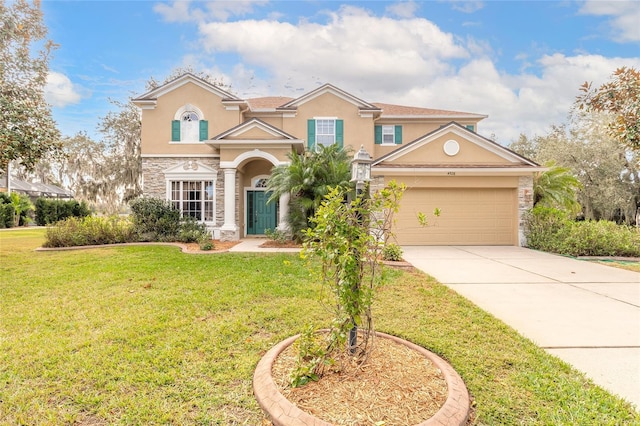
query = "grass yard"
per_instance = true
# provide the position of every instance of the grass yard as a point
(149, 335)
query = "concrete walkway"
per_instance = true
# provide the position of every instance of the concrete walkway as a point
(584, 313)
(252, 245)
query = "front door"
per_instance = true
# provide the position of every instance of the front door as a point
(260, 215)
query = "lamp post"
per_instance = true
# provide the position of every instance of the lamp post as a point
(361, 169)
(361, 175)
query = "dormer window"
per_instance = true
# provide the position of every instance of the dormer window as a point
(188, 125)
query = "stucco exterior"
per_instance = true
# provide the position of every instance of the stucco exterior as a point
(241, 140)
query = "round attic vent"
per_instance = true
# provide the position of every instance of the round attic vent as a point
(451, 147)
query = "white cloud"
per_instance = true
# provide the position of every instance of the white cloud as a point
(60, 91)
(403, 9)
(466, 6)
(219, 10)
(408, 61)
(353, 46)
(625, 17)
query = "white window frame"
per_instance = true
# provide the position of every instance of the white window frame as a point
(332, 135)
(193, 136)
(389, 130)
(179, 192)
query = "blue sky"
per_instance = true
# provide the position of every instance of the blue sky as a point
(520, 62)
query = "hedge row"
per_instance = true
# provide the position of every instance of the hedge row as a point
(552, 231)
(151, 220)
(50, 211)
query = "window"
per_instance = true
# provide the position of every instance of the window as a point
(194, 199)
(388, 135)
(325, 131)
(188, 125)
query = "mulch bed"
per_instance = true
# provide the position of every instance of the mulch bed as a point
(395, 386)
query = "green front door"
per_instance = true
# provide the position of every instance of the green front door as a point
(260, 215)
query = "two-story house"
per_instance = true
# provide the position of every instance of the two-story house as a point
(211, 154)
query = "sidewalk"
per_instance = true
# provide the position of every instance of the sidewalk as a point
(252, 245)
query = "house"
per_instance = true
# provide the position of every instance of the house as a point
(211, 154)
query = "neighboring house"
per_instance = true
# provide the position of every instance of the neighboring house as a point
(211, 153)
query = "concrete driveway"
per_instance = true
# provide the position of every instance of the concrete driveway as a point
(584, 313)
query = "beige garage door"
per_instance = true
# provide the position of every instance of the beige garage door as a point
(468, 217)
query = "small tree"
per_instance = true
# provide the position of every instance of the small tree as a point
(557, 188)
(348, 239)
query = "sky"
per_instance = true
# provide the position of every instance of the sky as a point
(519, 62)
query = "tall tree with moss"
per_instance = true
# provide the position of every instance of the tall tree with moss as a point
(27, 129)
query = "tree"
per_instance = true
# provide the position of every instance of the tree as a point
(608, 172)
(27, 129)
(557, 188)
(308, 179)
(621, 98)
(122, 139)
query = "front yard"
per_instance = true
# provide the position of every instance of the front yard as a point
(150, 335)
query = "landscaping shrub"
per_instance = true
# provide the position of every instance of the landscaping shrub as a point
(392, 252)
(158, 220)
(7, 211)
(90, 230)
(50, 211)
(551, 230)
(155, 219)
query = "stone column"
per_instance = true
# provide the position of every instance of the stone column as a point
(229, 229)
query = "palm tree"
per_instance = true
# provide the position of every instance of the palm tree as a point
(557, 188)
(308, 179)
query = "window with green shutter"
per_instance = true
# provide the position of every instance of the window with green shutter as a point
(204, 130)
(388, 135)
(470, 127)
(175, 130)
(325, 131)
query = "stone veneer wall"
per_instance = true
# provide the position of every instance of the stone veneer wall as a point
(154, 183)
(525, 203)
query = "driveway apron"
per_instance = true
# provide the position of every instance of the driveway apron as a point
(587, 314)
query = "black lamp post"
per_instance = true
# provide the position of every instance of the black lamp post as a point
(361, 175)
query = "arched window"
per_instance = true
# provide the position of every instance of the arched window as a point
(189, 125)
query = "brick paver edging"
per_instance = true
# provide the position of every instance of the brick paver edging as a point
(281, 412)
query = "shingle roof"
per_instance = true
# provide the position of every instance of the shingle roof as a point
(267, 102)
(400, 110)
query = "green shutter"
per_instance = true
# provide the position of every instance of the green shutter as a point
(340, 133)
(175, 130)
(204, 130)
(311, 133)
(470, 127)
(398, 135)
(378, 135)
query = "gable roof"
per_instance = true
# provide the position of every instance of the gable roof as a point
(468, 135)
(252, 124)
(149, 98)
(328, 88)
(267, 103)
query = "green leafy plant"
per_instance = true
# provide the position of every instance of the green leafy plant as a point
(155, 219)
(277, 235)
(90, 230)
(348, 239)
(50, 211)
(392, 252)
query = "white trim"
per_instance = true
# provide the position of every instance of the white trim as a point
(188, 107)
(256, 153)
(457, 171)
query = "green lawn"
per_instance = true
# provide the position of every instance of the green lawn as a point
(149, 335)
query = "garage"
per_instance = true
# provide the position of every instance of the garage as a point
(469, 216)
